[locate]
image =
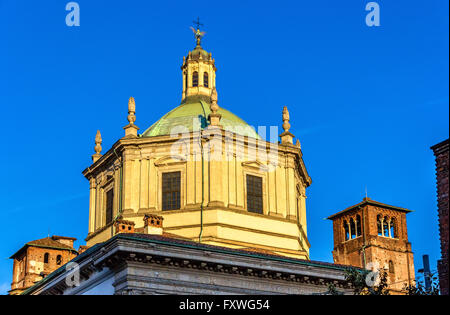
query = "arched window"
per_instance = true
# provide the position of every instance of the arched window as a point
(205, 79)
(358, 225)
(393, 228)
(391, 267)
(195, 79)
(352, 228)
(46, 258)
(59, 260)
(346, 231)
(386, 227)
(379, 226)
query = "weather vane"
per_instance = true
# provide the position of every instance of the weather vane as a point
(198, 34)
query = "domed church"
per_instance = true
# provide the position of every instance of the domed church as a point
(200, 203)
(207, 173)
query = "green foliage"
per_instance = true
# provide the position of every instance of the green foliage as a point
(361, 280)
(419, 288)
(333, 291)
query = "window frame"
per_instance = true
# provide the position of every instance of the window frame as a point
(46, 258)
(195, 79)
(261, 179)
(206, 76)
(346, 230)
(107, 184)
(171, 190)
(168, 164)
(109, 190)
(249, 168)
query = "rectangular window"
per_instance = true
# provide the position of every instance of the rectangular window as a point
(109, 205)
(171, 188)
(254, 194)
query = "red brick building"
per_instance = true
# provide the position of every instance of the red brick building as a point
(37, 259)
(441, 152)
(371, 234)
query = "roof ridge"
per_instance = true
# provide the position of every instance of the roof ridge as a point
(368, 201)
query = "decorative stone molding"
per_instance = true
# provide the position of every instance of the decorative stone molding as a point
(170, 160)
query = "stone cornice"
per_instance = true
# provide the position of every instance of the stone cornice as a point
(125, 249)
(125, 143)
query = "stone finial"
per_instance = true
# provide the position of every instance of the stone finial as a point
(286, 136)
(131, 129)
(214, 117)
(286, 118)
(214, 107)
(131, 110)
(98, 147)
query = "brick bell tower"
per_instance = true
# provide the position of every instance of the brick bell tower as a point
(371, 233)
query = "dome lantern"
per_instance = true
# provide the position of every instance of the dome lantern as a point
(198, 69)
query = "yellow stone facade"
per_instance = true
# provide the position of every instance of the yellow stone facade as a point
(213, 163)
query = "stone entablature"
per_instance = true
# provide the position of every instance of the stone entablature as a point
(149, 264)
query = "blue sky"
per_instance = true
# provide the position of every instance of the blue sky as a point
(366, 103)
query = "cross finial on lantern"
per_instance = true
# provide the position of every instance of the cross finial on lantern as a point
(198, 34)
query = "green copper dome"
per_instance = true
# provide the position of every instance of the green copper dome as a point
(193, 114)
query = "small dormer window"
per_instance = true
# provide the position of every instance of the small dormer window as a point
(195, 79)
(205, 79)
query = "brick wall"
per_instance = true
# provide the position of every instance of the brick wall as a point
(441, 152)
(372, 248)
(30, 267)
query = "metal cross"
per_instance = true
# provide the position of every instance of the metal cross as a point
(198, 23)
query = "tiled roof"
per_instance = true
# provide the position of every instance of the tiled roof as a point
(49, 243)
(247, 251)
(45, 243)
(177, 241)
(57, 237)
(368, 201)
